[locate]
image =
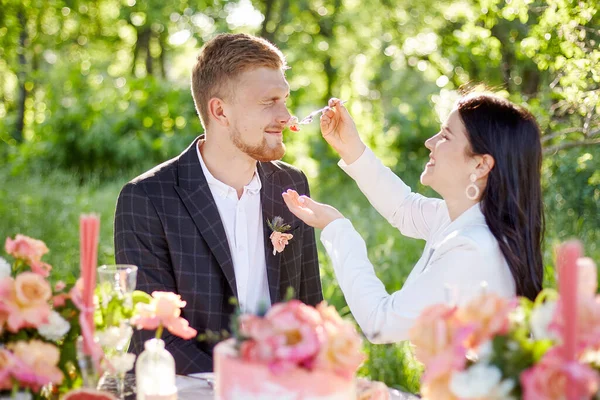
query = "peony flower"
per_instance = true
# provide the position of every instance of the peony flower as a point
(439, 340)
(5, 268)
(541, 318)
(488, 314)
(341, 351)
(481, 381)
(280, 240)
(164, 310)
(39, 363)
(26, 300)
(56, 328)
(548, 379)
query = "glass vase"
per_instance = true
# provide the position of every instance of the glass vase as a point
(155, 372)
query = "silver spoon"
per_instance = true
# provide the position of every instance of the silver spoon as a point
(310, 117)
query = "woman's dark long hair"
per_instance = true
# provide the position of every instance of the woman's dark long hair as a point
(512, 199)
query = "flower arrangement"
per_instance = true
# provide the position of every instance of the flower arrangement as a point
(293, 334)
(498, 349)
(279, 237)
(39, 324)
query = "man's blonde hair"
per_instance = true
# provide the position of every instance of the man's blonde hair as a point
(223, 59)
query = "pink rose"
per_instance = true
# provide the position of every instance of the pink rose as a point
(439, 339)
(256, 328)
(164, 310)
(7, 365)
(280, 240)
(39, 363)
(60, 300)
(168, 305)
(488, 315)
(29, 250)
(548, 379)
(371, 390)
(341, 351)
(60, 286)
(25, 248)
(26, 300)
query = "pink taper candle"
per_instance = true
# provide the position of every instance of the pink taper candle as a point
(89, 232)
(567, 256)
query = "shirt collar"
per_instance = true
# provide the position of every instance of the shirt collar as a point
(222, 189)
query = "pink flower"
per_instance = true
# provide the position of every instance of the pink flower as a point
(439, 339)
(59, 286)
(60, 300)
(548, 379)
(41, 268)
(341, 351)
(164, 310)
(296, 338)
(26, 300)
(25, 248)
(488, 315)
(29, 250)
(7, 365)
(280, 240)
(371, 390)
(39, 363)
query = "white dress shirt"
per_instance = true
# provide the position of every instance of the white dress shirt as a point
(242, 220)
(459, 255)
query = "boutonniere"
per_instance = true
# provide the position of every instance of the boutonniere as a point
(279, 238)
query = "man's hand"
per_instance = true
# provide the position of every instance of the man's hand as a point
(339, 130)
(312, 213)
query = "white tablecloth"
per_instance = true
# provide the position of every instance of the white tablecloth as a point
(197, 388)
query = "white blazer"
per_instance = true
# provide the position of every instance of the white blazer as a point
(459, 255)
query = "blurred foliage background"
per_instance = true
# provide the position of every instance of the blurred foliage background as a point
(94, 92)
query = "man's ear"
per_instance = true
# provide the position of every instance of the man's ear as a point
(216, 111)
(485, 163)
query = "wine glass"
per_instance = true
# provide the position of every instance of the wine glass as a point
(116, 284)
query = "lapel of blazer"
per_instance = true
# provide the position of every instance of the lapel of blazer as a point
(195, 193)
(272, 206)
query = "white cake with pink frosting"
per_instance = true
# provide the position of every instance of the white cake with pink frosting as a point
(294, 352)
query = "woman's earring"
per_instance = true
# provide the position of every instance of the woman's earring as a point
(472, 191)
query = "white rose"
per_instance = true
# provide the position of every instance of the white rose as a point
(481, 381)
(114, 337)
(5, 268)
(56, 328)
(541, 317)
(122, 362)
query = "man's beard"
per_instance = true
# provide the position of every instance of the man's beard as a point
(261, 152)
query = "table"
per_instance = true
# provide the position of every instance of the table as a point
(196, 387)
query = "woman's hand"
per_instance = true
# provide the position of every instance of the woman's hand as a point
(312, 213)
(339, 130)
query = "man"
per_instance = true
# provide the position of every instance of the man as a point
(197, 224)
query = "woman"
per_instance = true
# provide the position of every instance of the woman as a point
(485, 163)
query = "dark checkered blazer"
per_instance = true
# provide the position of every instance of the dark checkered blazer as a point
(167, 223)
